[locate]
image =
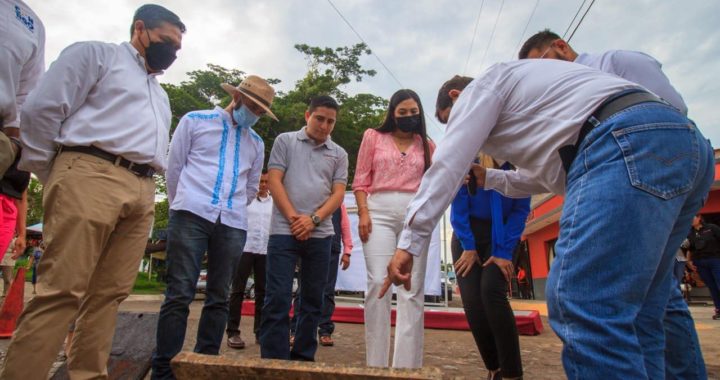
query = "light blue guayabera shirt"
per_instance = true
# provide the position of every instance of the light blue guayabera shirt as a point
(214, 167)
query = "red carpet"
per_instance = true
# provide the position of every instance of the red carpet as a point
(528, 321)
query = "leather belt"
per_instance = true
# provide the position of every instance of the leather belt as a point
(140, 170)
(608, 108)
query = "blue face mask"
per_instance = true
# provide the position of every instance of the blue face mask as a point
(244, 117)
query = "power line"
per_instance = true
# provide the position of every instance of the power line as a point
(525, 29)
(581, 20)
(492, 35)
(372, 51)
(573, 20)
(363, 41)
(472, 42)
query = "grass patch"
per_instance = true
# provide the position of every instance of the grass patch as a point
(143, 285)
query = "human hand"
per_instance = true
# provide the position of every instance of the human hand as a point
(506, 266)
(480, 172)
(20, 245)
(399, 271)
(465, 263)
(301, 226)
(345, 261)
(364, 226)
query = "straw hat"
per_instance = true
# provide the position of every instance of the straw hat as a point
(256, 89)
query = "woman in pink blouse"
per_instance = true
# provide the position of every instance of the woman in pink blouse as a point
(390, 164)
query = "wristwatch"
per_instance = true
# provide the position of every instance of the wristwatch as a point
(315, 219)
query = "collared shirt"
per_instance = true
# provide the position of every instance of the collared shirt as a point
(214, 167)
(521, 112)
(310, 171)
(96, 94)
(507, 225)
(22, 57)
(636, 67)
(382, 167)
(258, 232)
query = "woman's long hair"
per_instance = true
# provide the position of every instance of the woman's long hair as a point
(389, 124)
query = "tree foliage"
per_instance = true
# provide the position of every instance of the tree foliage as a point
(328, 71)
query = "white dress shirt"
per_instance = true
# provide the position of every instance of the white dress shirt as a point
(636, 67)
(22, 57)
(96, 94)
(214, 167)
(521, 112)
(258, 232)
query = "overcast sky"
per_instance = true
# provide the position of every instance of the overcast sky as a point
(423, 42)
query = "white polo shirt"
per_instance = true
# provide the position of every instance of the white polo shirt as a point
(521, 112)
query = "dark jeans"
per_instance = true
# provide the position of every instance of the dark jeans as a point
(709, 271)
(487, 309)
(283, 253)
(189, 238)
(326, 326)
(249, 262)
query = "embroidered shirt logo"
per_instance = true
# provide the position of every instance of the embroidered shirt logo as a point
(26, 20)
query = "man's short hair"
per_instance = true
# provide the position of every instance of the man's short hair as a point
(153, 15)
(323, 101)
(264, 171)
(457, 82)
(540, 40)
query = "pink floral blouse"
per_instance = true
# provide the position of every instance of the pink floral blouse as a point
(381, 166)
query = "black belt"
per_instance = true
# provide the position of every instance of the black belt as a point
(140, 170)
(609, 107)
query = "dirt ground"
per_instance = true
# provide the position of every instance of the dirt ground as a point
(454, 352)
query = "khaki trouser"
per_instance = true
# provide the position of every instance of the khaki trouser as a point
(97, 219)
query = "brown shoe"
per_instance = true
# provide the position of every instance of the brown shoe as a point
(326, 340)
(235, 342)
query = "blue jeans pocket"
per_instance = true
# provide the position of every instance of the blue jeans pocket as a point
(661, 159)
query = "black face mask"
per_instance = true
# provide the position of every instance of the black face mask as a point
(159, 55)
(409, 123)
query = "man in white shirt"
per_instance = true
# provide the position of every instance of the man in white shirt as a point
(22, 62)
(605, 143)
(94, 131)
(213, 173)
(683, 359)
(252, 261)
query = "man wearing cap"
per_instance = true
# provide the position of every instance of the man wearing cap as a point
(94, 131)
(213, 174)
(22, 62)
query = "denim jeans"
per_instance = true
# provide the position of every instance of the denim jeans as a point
(284, 251)
(326, 326)
(683, 357)
(189, 238)
(709, 271)
(632, 190)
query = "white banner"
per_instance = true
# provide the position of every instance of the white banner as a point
(355, 278)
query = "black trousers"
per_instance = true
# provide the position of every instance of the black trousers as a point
(249, 262)
(487, 309)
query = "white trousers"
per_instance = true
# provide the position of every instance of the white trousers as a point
(387, 213)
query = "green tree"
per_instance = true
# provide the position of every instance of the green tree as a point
(35, 208)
